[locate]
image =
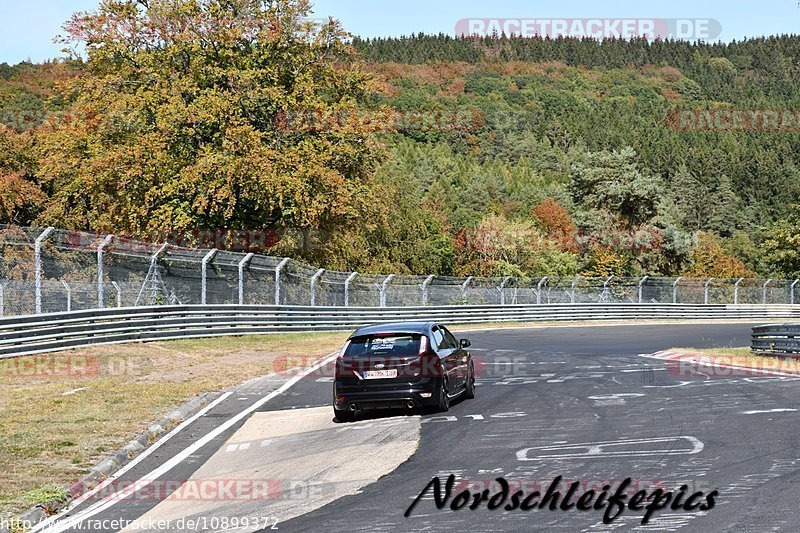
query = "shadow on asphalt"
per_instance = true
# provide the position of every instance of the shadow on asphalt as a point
(394, 413)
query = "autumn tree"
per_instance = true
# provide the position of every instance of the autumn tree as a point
(201, 113)
(501, 247)
(558, 224)
(20, 195)
(709, 260)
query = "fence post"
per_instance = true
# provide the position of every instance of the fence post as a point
(119, 293)
(705, 290)
(278, 280)
(464, 289)
(384, 288)
(37, 250)
(539, 290)
(204, 274)
(242, 265)
(314, 280)
(604, 296)
(675, 290)
(2, 300)
(641, 283)
(153, 269)
(347, 284)
(69, 295)
(764, 295)
(574, 283)
(792, 290)
(736, 291)
(424, 286)
(101, 303)
(502, 289)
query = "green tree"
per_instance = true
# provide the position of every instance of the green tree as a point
(690, 197)
(782, 246)
(613, 182)
(211, 113)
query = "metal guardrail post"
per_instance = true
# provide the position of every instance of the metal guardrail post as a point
(464, 289)
(675, 290)
(204, 274)
(791, 290)
(736, 291)
(314, 280)
(2, 300)
(705, 290)
(425, 285)
(502, 289)
(764, 291)
(641, 283)
(539, 290)
(37, 250)
(384, 288)
(69, 295)
(101, 303)
(278, 270)
(242, 265)
(119, 293)
(778, 340)
(347, 284)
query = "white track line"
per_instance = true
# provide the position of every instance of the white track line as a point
(180, 457)
(139, 458)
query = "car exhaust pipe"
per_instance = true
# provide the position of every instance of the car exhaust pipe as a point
(352, 407)
(410, 404)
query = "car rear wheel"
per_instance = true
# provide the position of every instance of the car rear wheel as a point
(469, 394)
(344, 415)
(444, 399)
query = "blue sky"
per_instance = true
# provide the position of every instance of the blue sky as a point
(27, 27)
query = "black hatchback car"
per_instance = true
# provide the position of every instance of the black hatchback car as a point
(405, 365)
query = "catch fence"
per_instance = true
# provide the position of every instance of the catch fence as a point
(46, 270)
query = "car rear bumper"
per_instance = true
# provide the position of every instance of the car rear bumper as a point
(421, 396)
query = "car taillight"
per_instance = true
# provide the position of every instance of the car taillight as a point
(340, 358)
(343, 350)
(423, 344)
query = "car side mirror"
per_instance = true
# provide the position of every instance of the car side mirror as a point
(465, 343)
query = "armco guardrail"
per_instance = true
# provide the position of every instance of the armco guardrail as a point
(777, 339)
(32, 334)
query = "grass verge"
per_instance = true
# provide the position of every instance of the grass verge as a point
(62, 413)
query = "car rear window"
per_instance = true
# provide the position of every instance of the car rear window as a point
(384, 345)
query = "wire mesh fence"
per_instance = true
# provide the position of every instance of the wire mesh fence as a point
(44, 270)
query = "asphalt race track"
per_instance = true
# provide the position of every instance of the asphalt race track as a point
(579, 402)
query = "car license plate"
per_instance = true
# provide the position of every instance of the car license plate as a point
(380, 374)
